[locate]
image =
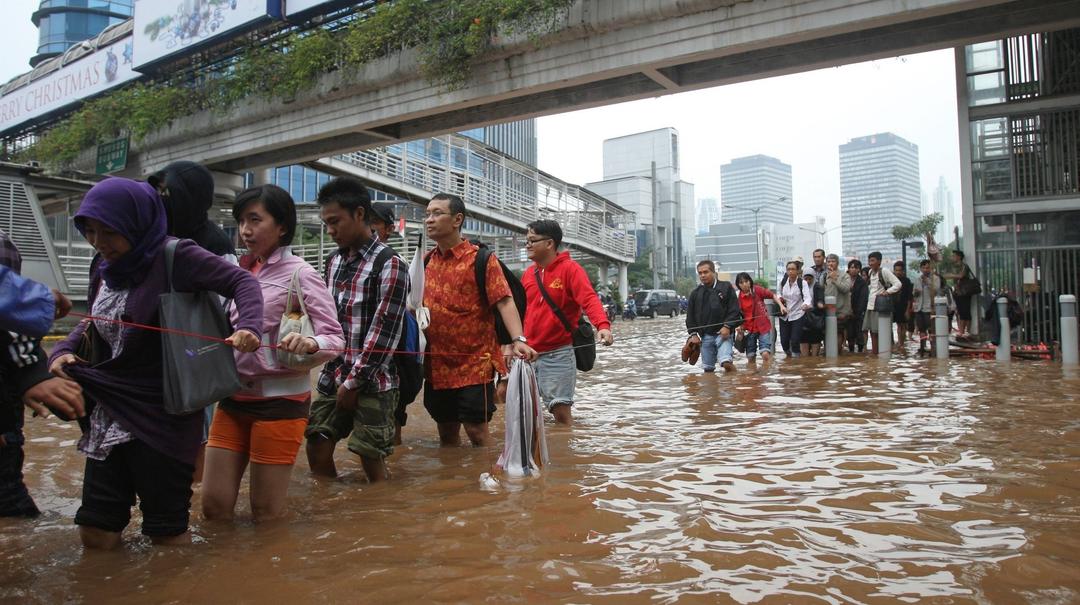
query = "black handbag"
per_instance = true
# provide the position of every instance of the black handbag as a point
(883, 303)
(967, 285)
(583, 337)
(196, 371)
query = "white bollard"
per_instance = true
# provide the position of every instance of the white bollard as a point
(1069, 354)
(771, 309)
(884, 336)
(941, 326)
(1004, 350)
(832, 348)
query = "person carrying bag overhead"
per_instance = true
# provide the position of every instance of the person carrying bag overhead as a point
(134, 447)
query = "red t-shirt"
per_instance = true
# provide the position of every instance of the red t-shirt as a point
(755, 318)
(569, 287)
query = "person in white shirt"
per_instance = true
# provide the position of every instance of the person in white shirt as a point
(795, 299)
(881, 281)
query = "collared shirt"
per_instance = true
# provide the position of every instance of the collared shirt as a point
(461, 337)
(891, 285)
(371, 313)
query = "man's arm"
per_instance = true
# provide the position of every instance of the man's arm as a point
(386, 326)
(509, 313)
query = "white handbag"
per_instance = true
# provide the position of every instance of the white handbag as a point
(298, 322)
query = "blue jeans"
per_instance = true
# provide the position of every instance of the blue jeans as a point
(758, 343)
(715, 348)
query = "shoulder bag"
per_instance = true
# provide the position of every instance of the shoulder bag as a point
(583, 337)
(883, 303)
(196, 371)
(295, 322)
(968, 285)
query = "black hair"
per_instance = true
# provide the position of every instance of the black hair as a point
(924, 262)
(712, 265)
(819, 250)
(744, 276)
(874, 254)
(547, 228)
(276, 201)
(348, 192)
(855, 263)
(457, 205)
(959, 253)
(900, 264)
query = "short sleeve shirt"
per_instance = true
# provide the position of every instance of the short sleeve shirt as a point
(461, 336)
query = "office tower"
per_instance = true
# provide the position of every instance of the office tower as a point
(628, 181)
(756, 182)
(708, 214)
(879, 189)
(63, 23)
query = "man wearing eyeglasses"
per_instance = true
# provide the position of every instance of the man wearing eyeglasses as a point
(464, 352)
(569, 289)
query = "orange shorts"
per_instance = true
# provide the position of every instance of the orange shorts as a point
(264, 441)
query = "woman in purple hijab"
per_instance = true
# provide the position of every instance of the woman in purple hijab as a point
(133, 447)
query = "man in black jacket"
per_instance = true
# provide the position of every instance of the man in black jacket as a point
(712, 316)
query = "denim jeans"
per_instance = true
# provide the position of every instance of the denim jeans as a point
(758, 343)
(715, 348)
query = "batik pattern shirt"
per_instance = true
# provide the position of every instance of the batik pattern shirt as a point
(461, 337)
(371, 313)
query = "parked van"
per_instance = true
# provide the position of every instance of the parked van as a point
(651, 303)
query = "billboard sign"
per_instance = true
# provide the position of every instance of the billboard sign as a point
(304, 8)
(92, 74)
(166, 28)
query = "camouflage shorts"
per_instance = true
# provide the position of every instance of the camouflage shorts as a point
(369, 428)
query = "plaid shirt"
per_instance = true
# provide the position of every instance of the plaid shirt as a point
(371, 312)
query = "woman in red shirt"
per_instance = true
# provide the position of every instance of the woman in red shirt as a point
(756, 328)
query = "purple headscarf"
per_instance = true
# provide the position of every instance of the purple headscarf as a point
(134, 210)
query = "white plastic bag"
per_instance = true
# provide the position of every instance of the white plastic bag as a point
(525, 450)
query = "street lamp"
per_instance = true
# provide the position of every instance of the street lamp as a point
(757, 232)
(821, 234)
(904, 245)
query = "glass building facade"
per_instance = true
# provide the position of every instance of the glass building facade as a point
(1020, 164)
(879, 189)
(753, 182)
(64, 23)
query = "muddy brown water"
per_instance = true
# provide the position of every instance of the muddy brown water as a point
(809, 482)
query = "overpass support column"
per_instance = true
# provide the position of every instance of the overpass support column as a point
(601, 274)
(624, 281)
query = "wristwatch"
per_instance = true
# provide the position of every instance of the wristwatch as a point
(521, 339)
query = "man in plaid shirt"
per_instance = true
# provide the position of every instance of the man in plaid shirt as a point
(358, 391)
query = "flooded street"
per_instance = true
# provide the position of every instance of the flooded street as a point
(847, 482)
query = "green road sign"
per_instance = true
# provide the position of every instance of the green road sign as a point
(112, 156)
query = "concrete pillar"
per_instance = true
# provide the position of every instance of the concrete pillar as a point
(832, 348)
(941, 326)
(1069, 354)
(1004, 350)
(602, 273)
(624, 281)
(884, 336)
(771, 309)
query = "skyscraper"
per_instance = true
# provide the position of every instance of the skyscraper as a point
(942, 203)
(708, 214)
(879, 189)
(63, 23)
(628, 166)
(752, 182)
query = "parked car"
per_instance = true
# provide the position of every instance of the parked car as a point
(651, 303)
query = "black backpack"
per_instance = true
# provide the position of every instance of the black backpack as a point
(517, 290)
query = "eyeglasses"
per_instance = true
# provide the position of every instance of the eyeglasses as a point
(435, 214)
(533, 242)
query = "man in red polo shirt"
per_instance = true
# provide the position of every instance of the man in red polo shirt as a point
(464, 351)
(568, 287)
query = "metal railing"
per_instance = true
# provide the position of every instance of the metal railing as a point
(500, 185)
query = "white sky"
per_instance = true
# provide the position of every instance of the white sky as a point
(800, 119)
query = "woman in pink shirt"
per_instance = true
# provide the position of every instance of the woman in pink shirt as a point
(264, 422)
